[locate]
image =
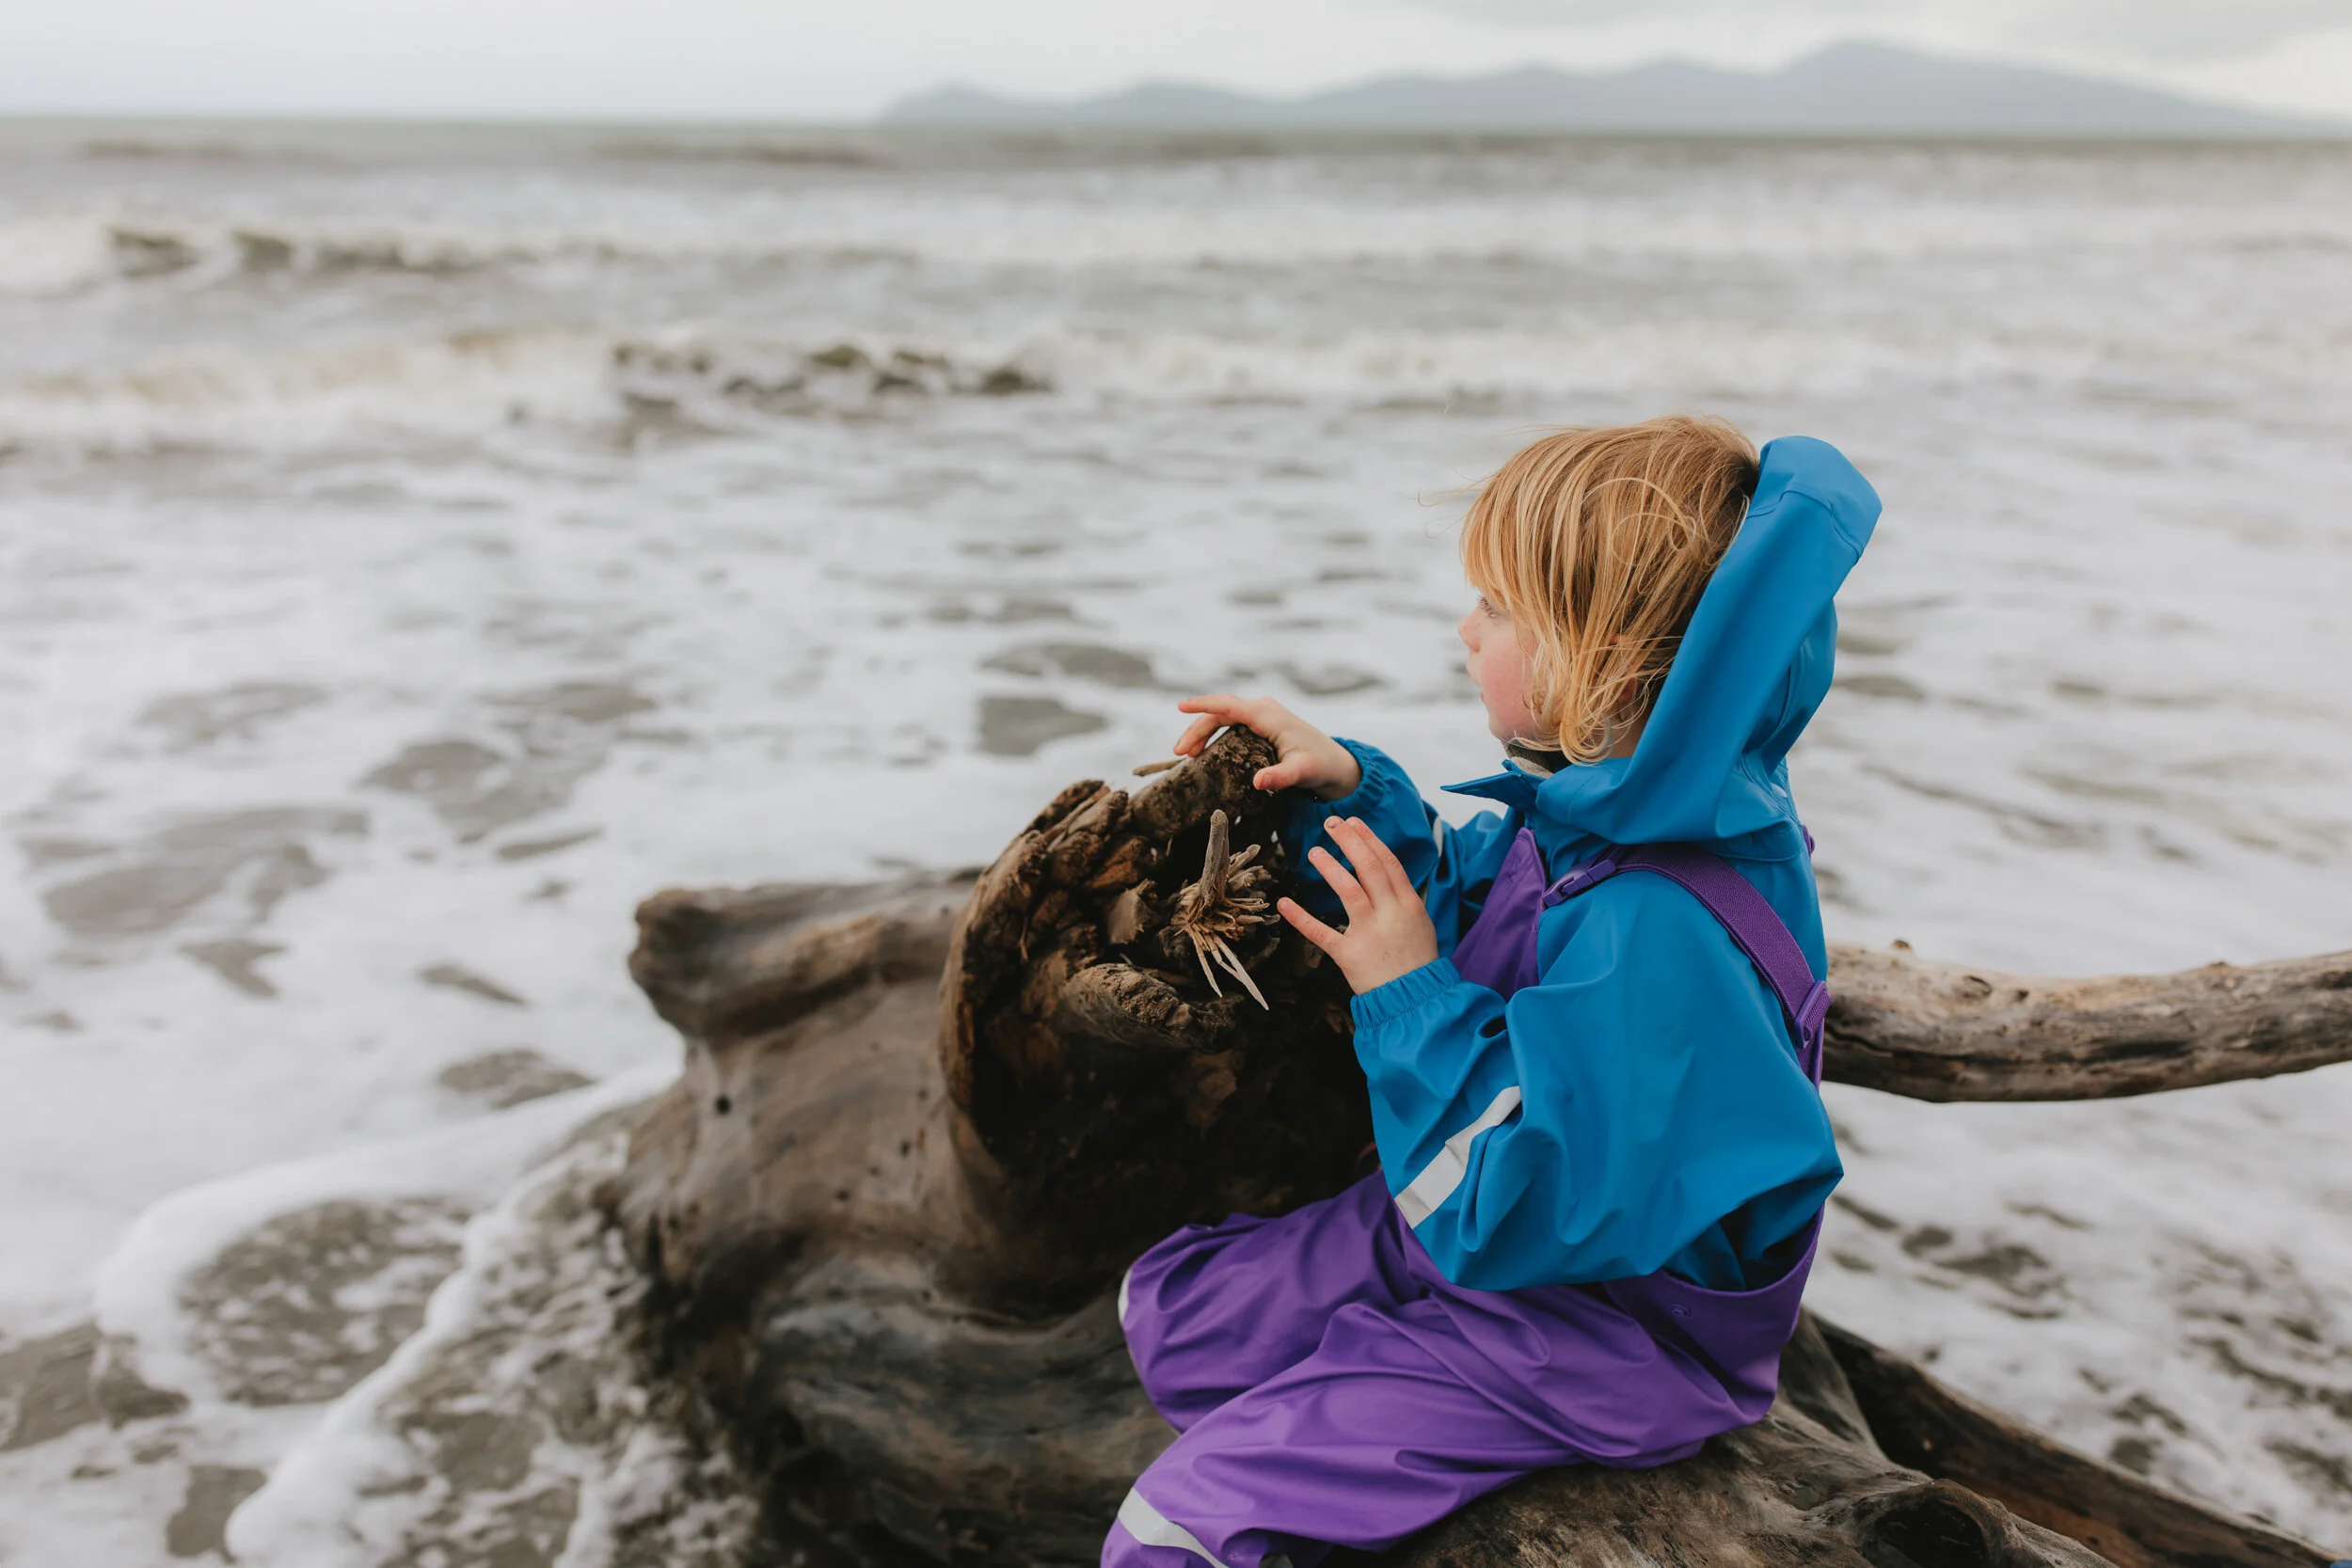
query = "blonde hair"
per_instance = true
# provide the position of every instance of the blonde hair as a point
(1597, 542)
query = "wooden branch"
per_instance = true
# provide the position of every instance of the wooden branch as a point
(1942, 1031)
(1920, 1422)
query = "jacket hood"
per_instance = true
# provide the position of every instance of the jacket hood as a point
(1753, 667)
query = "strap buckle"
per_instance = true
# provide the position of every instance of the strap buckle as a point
(1578, 880)
(1815, 1010)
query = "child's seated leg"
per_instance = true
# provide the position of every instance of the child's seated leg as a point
(1217, 1309)
(1368, 1438)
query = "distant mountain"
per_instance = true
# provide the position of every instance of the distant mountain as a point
(1846, 89)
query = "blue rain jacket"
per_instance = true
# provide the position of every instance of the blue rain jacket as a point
(1663, 1120)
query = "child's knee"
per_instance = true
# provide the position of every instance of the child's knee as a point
(1180, 1279)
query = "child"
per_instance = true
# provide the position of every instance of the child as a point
(1591, 1026)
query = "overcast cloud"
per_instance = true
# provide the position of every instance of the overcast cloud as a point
(824, 58)
(2165, 30)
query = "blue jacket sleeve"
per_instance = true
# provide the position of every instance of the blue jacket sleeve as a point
(1452, 866)
(1606, 1121)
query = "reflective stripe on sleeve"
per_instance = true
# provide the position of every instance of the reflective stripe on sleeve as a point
(1154, 1528)
(1124, 1280)
(1424, 1196)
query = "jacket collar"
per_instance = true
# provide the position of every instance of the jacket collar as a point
(1520, 792)
(1514, 788)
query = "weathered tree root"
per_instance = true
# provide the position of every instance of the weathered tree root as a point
(1111, 1088)
(1214, 911)
(919, 1133)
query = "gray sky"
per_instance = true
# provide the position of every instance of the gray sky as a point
(800, 58)
(2171, 31)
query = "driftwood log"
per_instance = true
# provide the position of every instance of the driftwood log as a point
(1933, 1031)
(923, 1126)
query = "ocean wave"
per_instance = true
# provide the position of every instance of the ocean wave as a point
(467, 384)
(687, 382)
(224, 398)
(47, 255)
(211, 150)
(698, 150)
(852, 225)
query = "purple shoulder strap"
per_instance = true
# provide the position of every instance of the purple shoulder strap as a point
(1742, 911)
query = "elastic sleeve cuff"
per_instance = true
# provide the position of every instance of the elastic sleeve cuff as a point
(1372, 797)
(1405, 992)
(1368, 789)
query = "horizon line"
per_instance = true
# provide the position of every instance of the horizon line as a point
(2298, 126)
(2292, 119)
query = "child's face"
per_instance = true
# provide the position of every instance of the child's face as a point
(1499, 668)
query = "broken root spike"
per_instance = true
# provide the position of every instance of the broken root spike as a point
(1202, 954)
(1212, 862)
(1232, 963)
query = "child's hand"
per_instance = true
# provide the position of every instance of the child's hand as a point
(1388, 933)
(1305, 758)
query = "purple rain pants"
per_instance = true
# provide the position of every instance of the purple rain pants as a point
(1330, 1386)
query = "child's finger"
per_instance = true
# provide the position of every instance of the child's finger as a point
(1308, 927)
(1352, 896)
(1279, 775)
(1256, 713)
(1342, 834)
(1364, 849)
(1351, 892)
(1226, 707)
(1390, 868)
(1217, 710)
(1345, 836)
(1196, 735)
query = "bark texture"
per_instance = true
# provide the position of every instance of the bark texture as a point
(1933, 1031)
(923, 1125)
